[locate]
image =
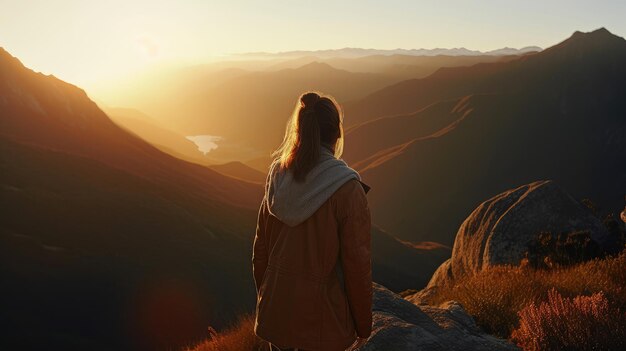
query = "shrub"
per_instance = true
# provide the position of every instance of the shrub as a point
(581, 323)
(239, 337)
(494, 296)
(563, 249)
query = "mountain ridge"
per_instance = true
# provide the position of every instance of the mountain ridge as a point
(551, 115)
(68, 120)
(94, 213)
(413, 94)
(361, 52)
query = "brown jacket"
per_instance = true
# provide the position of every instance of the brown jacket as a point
(302, 300)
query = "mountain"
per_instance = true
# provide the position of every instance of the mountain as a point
(270, 96)
(360, 52)
(250, 111)
(240, 170)
(401, 265)
(93, 257)
(401, 67)
(108, 242)
(367, 139)
(153, 132)
(47, 112)
(532, 70)
(260, 163)
(450, 140)
(513, 51)
(219, 98)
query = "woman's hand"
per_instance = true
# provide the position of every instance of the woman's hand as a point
(358, 343)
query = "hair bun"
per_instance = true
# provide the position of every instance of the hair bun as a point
(308, 100)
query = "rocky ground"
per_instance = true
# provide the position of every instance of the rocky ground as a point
(400, 324)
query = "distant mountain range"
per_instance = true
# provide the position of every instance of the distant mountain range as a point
(249, 109)
(360, 52)
(218, 98)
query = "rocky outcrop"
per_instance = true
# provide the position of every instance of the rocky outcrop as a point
(401, 325)
(501, 229)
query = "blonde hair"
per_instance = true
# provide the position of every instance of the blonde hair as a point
(317, 119)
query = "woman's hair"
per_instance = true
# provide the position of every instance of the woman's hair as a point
(316, 120)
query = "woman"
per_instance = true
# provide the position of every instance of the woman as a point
(312, 255)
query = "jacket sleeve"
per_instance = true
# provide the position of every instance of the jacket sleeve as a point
(259, 250)
(356, 259)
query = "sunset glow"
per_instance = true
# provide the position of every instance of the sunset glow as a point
(92, 42)
(236, 175)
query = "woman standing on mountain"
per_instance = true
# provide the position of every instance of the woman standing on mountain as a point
(312, 250)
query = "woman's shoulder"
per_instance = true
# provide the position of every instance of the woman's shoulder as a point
(351, 186)
(350, 198)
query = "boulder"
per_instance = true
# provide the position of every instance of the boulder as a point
(401, 325)
(501, 229)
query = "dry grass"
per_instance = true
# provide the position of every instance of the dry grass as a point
(239, 337)
(581, 323)
(494, 297)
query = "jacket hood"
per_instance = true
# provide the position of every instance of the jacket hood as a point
(293, 202)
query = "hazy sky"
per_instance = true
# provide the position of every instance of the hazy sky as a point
(87, 41)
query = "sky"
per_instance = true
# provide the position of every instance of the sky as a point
(86, 42)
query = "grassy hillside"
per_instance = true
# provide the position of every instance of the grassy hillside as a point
(494, 297)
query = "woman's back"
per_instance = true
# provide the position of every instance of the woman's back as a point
(302, 301)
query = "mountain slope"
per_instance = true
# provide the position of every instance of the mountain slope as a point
(369, 138)
(254, 108)
(559, 114)
(95, 258)
(580, 57)
(240, 170)
(45, 111)
(150, 130)
(109, 242)
(402, 265)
